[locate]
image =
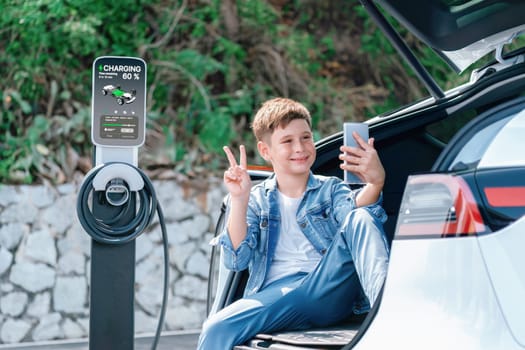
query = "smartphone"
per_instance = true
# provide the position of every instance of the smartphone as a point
(348, 139)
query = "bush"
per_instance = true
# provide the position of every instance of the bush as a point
(211, 63)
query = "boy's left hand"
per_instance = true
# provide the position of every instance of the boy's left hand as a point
(363, 161)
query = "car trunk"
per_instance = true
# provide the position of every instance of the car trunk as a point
(312, 339)
(408, 142)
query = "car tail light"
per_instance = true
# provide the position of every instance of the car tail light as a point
(512, 196)
(438, 205)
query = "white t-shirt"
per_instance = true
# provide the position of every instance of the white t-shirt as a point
(294, 253)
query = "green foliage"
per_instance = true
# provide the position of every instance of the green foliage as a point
(258, 14)
(209, 67)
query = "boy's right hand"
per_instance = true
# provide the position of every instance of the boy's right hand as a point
(236, 178)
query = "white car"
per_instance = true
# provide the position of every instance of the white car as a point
(454, 194)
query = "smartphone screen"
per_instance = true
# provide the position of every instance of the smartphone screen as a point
(348, 139)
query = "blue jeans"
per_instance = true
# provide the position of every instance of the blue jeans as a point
(357, 257)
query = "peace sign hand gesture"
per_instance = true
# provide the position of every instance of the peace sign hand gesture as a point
(236, 178)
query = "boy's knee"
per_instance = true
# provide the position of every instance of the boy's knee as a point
(361, 216)
(363, 224)
(374, 213)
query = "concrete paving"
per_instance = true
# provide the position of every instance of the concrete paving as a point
(180, 340)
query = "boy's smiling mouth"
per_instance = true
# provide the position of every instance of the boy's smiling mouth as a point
(300, 159)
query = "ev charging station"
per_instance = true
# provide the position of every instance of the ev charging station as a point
(116, 201)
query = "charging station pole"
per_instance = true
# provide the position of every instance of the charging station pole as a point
(118, 130)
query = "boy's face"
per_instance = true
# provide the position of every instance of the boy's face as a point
(289, 149)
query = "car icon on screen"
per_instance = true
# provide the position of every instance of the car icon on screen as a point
(120, 95)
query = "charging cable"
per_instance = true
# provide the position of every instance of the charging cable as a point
(116, 183)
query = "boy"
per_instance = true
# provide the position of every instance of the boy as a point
(308, 241)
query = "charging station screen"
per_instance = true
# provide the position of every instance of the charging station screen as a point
(118, 101)
(119, 127)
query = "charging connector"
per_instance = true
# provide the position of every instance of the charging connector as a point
(117, 192)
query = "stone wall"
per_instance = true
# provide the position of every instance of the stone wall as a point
(45, 261)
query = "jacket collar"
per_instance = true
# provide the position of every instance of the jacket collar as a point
(271, 183)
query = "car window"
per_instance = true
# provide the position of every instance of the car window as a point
(471, 153)
(506, 148)
(445, 129)
(498, 144)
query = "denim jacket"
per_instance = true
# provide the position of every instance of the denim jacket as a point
(323, 209)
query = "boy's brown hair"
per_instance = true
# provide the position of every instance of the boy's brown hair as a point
(278, 112)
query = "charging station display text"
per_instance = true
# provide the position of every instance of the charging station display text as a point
(119, 101)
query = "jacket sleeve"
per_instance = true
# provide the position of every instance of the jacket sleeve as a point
(239, 259)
